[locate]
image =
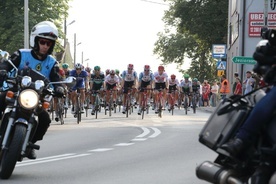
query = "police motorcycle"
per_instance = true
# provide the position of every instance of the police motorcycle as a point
(25, 100)
(259, 159)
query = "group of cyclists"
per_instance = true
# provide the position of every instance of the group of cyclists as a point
(118, 86)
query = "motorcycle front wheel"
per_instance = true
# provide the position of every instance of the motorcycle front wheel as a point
(10, 155)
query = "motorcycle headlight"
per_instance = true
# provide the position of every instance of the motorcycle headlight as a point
(28, 99)
(26, 81)
(39, 85)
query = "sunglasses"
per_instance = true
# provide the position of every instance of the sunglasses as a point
(146, 70)
(112, 74)
(78, 68)
(172, 78)
(43, 42)
(130, 68)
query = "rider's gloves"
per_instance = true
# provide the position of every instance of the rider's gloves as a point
(59, 91)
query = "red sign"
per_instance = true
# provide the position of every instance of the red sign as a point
(256, 22)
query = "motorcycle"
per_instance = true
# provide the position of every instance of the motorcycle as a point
(221, 127)
(25, 99)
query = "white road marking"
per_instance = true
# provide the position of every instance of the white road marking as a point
(139, 139)
(101, 150)
(124, 144)
(51, 160)
(156, 132)
(146, 131)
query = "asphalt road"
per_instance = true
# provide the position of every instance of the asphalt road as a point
(119, 150)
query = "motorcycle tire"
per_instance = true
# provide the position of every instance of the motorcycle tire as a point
(10, 156)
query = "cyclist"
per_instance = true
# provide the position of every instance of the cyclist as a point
(111, 83)
(186, 88)
(160, 83)
(107, 71)
(65, 68)
(97, 83)
(129, 81)
(173, 88)
(145, 80)
(81, 84)
(196, 90)
(120, 86)
(61, 74)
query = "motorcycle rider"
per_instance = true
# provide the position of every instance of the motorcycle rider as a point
(264, 110)
(42, 41)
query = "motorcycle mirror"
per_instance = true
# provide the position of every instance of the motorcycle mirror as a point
(70, 79)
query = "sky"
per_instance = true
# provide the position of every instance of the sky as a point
(114, 33)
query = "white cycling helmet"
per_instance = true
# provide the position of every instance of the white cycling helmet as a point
(45, 29)
(78, 66)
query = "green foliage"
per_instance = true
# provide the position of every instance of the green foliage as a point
(12, 20)
(192, 27)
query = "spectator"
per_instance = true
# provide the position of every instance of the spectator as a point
(238, 89)
(235, 83)
(249, 82)
(205, 93)
(224, 87)
(214, 96)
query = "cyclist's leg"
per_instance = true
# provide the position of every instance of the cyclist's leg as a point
(73, 95)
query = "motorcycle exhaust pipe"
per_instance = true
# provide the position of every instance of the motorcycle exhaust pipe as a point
(215, 173)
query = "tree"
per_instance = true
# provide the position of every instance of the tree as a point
(196, 26)
(12, 20)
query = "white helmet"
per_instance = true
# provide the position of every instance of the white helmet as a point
(78, 66)
(45, 29)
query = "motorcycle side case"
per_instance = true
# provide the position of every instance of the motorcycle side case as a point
(219, 129)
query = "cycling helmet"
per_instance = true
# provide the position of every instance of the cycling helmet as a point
(45, 29)
(97, 68)
(173, 76)
(78, 66)
(195, 79)
(64, 65)
(112, 72)
(107, 71)
(186, 76)
(130, 66)
(117, 71)
(146, 67)
(88, 69)
(160, 68)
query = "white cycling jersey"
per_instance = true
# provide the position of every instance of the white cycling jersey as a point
(112, 79)
(160, 78)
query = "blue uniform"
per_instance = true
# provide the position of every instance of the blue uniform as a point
(81, 79)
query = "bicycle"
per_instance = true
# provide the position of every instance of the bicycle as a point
(60, 109)
(87, 102)
(186, 102)
(78, 110)
(144, 102)
(97, 103)
(159, 102)
(171, 100)
(194, 102)
(129, 105)
(111, 104)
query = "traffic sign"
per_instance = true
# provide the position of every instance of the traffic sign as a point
(221, 65)
(220, 73)
(218, 50)
(244, 60)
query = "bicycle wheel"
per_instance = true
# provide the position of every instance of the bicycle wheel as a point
(127, 107)
(194, 104)
(60, 111)
(79, 110)
(186, 105)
